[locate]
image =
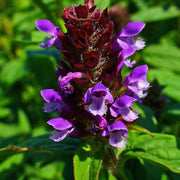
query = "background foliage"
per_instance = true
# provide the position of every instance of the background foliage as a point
(26, 69)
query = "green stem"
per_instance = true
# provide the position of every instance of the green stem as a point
(113, 165)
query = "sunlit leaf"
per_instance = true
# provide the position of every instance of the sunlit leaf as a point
(162, 149)
(169, 80)
(13, 71)
(24, 125)
(4, 112)
(167, 57)
(87, 163)
(156, 14)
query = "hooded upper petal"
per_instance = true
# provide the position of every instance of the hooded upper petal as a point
(118, 125)
(60, 123)
(132, 29)
(50, 95)
(46, 26)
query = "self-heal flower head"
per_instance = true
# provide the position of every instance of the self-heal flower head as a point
(123, 106)
(125, 41)
(116, 131)
(49, 28)
(96, 98)
(53, 100)
(90, 75)
(63, 128)
(137, 83)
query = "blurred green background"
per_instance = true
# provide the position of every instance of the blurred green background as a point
(25, 69)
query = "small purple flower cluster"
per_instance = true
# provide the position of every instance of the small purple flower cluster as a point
(93, 100)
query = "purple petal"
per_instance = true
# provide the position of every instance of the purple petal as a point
(51, 42)
(44, 43)
(116, 139)
(123, 101)
(58, 43)
(129, 63)
(101, 121)
(109, 97)
(143, 85)
(97, 107)
(60, 123)
(100, 125)
(128, 52)
(59, 136)
(87, 96)
(128, 115)
(105, 132)
(99, 87)
(123, 44)
(139, 44)
(50, 95)
(49, 107)
(114, 111)
(139, 73)
(64, 82)
(118, 125)
(132, 29)
(46, 26)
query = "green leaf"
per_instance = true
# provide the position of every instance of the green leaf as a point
(139, 129)
(41, 143)
(87, 162)
(162, 149)
(35, 38)
(24, 125)
(44, 76)
(147, 118)
(166, 57)
(13, 71)
(45, 8)
(8, 130)
(11, 162)
(169, 79)
(156, 14)
(101, 5)
(68, 145)
(4, 112)
(172, 112)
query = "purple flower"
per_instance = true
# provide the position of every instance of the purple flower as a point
(100, 125)
(137, 82)
(123, 106)
(116, 131)
(64, 82)
(96, 98)
(49, 28)
(117, 134)
(63, 126)
(124, 40)
(53, 100)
